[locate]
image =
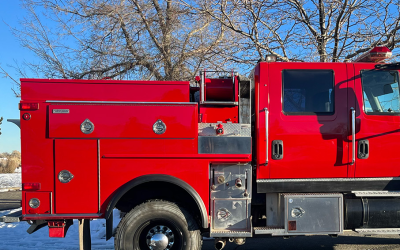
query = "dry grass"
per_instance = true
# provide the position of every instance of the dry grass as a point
(9, 165)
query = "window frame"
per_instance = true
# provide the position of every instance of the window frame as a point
(362, 93)
(331, 113)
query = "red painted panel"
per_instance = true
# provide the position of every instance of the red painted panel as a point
(315, 146)
(43, 197)
(159, 147)
(36, 151)
(382, 132)
(116, 172)
(124, 121)
(215, 114)
(80, 195)
(104, 90)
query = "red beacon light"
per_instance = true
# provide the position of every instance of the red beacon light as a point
(377, 54)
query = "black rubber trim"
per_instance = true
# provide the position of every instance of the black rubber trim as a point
(328, 185)
(150, 178)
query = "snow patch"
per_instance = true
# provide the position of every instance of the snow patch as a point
(10, 181)
(15, 237)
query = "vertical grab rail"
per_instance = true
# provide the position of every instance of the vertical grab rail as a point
(353, 135)
(202, 76)
(266, 136)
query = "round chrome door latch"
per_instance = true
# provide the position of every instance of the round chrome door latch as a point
(87, 126)
(297, 212)
(65, 176)
(159, 127)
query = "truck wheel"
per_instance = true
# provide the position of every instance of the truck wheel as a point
(158, 225)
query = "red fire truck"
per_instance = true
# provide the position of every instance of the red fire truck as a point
(294, 149)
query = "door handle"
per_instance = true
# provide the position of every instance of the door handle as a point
(277, 150)
(266, 136)
(353, 135)
(363, 149)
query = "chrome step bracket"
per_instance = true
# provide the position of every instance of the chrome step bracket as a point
(376, 193)
(377, 230)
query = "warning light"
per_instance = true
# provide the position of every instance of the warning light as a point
(377, 54)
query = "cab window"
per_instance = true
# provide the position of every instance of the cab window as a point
(380, 92)
(308, 92)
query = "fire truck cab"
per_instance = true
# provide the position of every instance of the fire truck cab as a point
(293, 149)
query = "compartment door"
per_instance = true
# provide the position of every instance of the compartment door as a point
(77, 165)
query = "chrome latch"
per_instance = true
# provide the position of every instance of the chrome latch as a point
(65, 176)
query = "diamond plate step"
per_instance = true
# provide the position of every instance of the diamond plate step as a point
(378, 230)
(269, 230)
(230, 129)
(227, 233)
(12, 217)
(377, 193)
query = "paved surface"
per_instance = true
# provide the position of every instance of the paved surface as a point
(348, 241)
(10, 200)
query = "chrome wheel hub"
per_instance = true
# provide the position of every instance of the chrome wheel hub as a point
(160, 238)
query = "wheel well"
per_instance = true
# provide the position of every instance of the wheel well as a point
(159, 190)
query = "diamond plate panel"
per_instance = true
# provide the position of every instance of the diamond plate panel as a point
(376, 193)
(378, 230)
(230, 129)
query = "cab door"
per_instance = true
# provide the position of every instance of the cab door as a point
(377, 132)
(307, 129)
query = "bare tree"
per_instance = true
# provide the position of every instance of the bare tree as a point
(308, 30)
(122, 39)
(171, 40)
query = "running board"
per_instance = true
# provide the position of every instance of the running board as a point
(369, 231)
(269, 230)
(12, 217)
(376, 193)
(227, 233)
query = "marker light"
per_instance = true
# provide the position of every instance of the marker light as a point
(34, 203)
(28, 106)
(26, 116)
(377, 54)
(270, 58)
(30, 186)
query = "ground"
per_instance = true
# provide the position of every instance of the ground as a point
(13, 236)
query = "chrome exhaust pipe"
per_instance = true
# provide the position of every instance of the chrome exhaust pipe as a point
(239, 241)
(220, 243)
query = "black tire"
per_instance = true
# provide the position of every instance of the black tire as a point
(135, 227)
